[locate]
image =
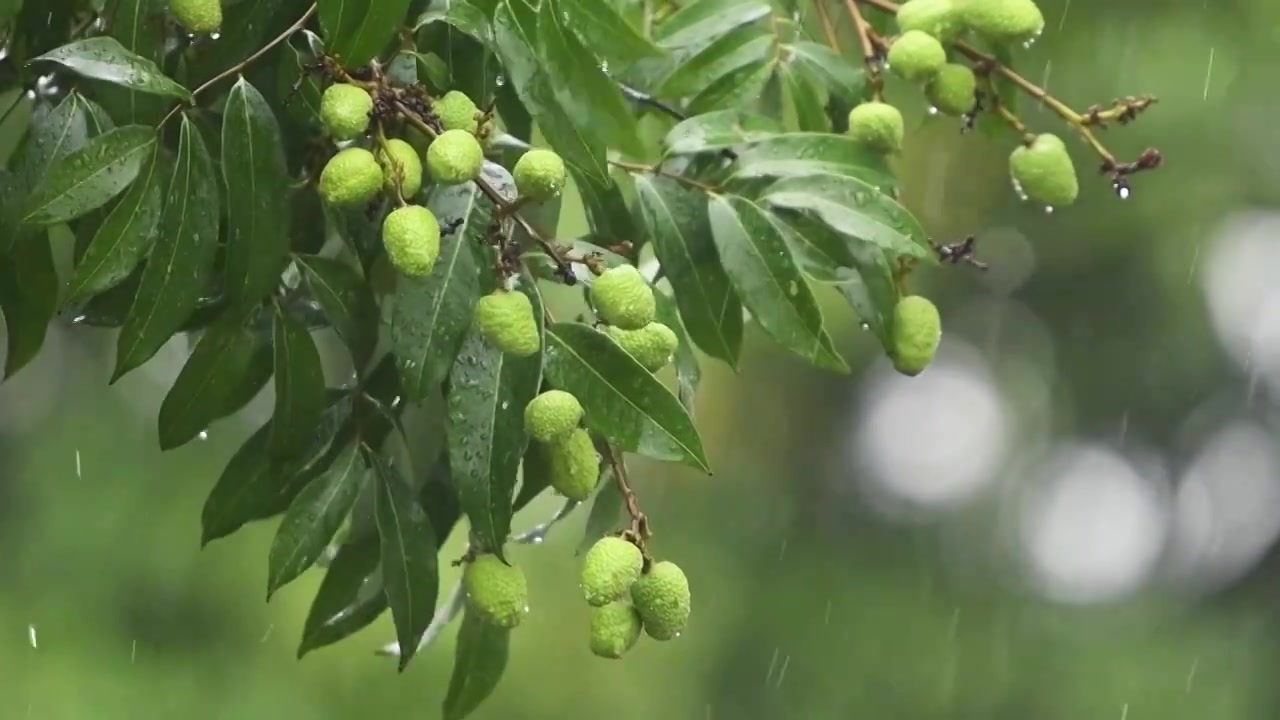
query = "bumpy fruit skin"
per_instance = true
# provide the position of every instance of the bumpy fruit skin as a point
(198, 16)
(575, 467)
(953, 89)
(401, 155)
(456, 111)
(352, 177)
(916, 56)
(939, 18)
(552, 415)
(539, 174)
(623, 298)
(411, 236)
(1045, 172)
(877, 126)
(344, 110)
(662, 598)
(496, 591)
(609, 569)
(651, 345)
(917, 330)
(1007, 21)
(505, 319)
(454, 157)
(614, 630)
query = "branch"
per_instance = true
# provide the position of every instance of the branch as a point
(657, 170)
(639, 521)
(828, 28)
(647, 99)
(240, 66)
(870, 56)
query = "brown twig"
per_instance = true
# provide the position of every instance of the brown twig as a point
(828, 28)
(240, 66)
(657, 170)
(639, 521)
(869, 54)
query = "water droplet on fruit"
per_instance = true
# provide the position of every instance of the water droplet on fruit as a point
(215, 36)
(932, 110)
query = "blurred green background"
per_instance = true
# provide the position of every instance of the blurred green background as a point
(1072, 515)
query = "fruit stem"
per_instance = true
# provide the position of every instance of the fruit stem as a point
(869, 54)
(240, 66)
(639, 521)
(397, 172)
(505, 208)
(828, 28)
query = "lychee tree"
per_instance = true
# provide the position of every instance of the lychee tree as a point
(393, 171)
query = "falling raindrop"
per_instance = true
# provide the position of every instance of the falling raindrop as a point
(1017, 189)
(1048, 209)
(215, 36)
(604, 66)
(1123, 192)
(932, 110)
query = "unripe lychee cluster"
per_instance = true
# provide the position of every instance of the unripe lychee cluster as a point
(553, 420)
(495, 591)
(626, 304)
(627, 598)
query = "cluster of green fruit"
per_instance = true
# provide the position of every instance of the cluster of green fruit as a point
(623, 300)
(1041, 167)
(614, 568)
(355, 175)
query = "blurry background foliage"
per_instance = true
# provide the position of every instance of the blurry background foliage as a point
(1073, 514)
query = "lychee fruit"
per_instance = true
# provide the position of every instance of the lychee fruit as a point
(1044, 171)
(916, 56)
(1005, 21)
(399, 157)
(456, 111)
(455, 156)
(575, 466)
(877, 126)
(917, 330)
(939, 18)
(496, 591)
(505, 319)
(651, 345)
(411, 236)
(197, 16)
(344, 110)
(614, 630)
(662, 598)
(552, 415)
(609, 569)
(953, 90)
(539, 174)
(351, 177)
(623, 298)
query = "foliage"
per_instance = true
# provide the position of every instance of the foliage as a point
(189, 168)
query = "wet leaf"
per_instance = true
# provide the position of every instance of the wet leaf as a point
(702, 22)
(718, 130)
(28, 299)
(358, 30)
(87, 178)
(408, 550)
(855, 209)
(347, 303)
(350, 597)
(104, 58)
(480, 659)
(300, 386)
(606, 33)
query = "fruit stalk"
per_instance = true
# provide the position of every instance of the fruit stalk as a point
(639, 521)
(870, 55)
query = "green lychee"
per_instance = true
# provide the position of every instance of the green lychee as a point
(953, 90)
(662, 598)
(877, 126)
(552, 415)
(939, 18)
(399, 157)
(614, 630)
(917, 330)
(916, 56)
(505, 319)
(575, 467)
(351, 177)
(454, 157)
(344, 110)
(197, 16)
(651, 345)
(539, 174)
(1044, 171)
(609, 569)
(456, 111)
(411, 236)
(1005, 21)
(623, 298)
(496, 591)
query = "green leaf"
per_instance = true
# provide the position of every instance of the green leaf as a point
(855, 209)
(480, 659)
(488, 391)
(811, 153)
(255, 179)
(358, 30)
(300, 397)
(623, 401)
(350, 597)
(810, 111)
(841, 75)
(347, 302)
(871, 292)
(742, 87)
(514, 26)
(125, 236)
(704, 21)
(685, 360)
(408, 552)
(181, 262)
(218, 366)
(718, 130)
(675, 220)
(606, 33)
(744, 45)
(314, 517)
(132, 23)
(87, 178)
(255, 486)
(756, 258)
(535, 475)
(28, 299)
(56, 131)
(606, 512)
(584, 91)
(431, 315)
(104, 58)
